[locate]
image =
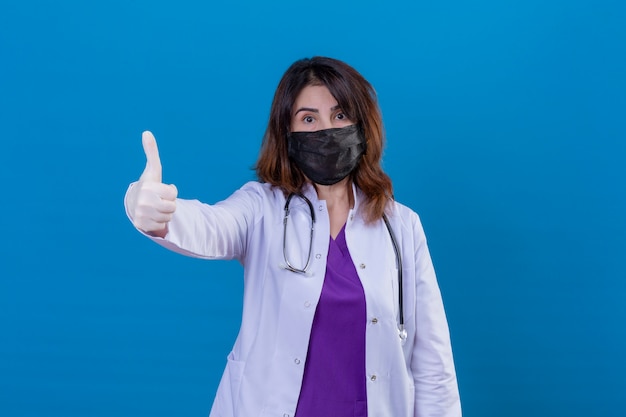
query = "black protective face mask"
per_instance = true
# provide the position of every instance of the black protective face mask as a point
(327, 156)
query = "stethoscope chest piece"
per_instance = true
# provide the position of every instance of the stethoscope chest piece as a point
(403, 334)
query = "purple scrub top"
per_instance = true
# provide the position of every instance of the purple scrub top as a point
(334, 381)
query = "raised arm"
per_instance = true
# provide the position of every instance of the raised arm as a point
(190, 227)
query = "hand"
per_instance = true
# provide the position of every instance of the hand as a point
(150, 203)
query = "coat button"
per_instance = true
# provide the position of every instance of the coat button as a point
(374, 320)
(362, 266)
(373, 378)
(307, 304)
(321, 207)
(296, 361)
(318, 256)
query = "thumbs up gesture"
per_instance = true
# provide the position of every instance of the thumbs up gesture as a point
(149, 202)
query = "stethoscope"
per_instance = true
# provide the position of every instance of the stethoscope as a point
(401, 330)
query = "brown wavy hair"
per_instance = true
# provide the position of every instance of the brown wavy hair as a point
(357, 99)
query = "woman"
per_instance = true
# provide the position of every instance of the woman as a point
(330, 325)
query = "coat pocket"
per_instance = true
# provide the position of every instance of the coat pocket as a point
(227, 396)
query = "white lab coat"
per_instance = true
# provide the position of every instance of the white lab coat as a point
(265, 367)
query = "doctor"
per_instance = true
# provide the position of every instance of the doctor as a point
(342, 314)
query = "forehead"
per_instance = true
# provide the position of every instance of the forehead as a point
(315, 94)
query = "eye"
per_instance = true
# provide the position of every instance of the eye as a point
(340, 115)
(308, 119)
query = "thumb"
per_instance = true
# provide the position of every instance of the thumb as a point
(153, 171)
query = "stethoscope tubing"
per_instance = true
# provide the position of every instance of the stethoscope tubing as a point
(394, 243)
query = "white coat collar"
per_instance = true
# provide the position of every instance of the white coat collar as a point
(309, 192)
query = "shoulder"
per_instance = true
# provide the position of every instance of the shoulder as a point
(260, 189)
(258, 195)
(256, 186)
(405, 219)
(403, 214)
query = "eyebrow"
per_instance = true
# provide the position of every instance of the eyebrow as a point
(312, 110)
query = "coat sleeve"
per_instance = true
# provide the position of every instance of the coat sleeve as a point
(216, 231)
(436, 390)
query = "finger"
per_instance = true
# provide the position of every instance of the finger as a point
(153, 170)
(154, 214)
(166, 207)
(163, 191)
(149, 225)
(163, 217)
(168, 192)
(160, 218)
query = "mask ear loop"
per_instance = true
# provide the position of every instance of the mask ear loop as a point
(401, 330)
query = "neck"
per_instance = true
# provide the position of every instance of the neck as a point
(339, 201)
(336, 195)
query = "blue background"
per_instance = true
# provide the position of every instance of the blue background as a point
(506, 132)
